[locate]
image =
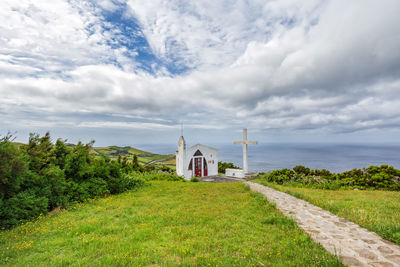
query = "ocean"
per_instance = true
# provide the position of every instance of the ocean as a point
(268, 157)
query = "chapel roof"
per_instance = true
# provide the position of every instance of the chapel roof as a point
(200, 145)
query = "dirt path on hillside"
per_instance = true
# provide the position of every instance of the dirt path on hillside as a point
(355, 246)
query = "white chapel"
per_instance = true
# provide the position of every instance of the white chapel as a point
(196, 161)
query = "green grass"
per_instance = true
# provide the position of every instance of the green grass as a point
(166, 223)
(378, 211)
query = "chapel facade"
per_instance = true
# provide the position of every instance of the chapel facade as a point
(196, 161)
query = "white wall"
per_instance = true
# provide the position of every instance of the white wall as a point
(210, 154)
(239, 173)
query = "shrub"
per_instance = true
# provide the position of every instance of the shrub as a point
(95, 187)
(41, 176)
(39, 150)
(130, 181)
(56, 184)
(13, 167)
(373, 177)
(77, 163)
(222, 166)
(21, 207)
(302, 170)
(323, 173)
(194, 179)
(77, 191)
(111, 173)
(60, 153)
(280, 176)
(164, 168)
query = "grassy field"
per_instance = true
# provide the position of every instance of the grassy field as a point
(378, 211)
(166, 223)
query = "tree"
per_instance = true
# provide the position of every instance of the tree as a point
(13, 167)
(135, 163)
(17, 202)
(77, 163)
(60, 153)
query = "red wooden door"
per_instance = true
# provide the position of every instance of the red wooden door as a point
(197, 167)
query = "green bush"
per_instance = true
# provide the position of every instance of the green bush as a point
(281, 176)
(110, 172)
(374, 177)
(41, 175)
(56, 186)
(78, 163)
(222, 166)
(78, 192)
(21, 207)
(302, 170)
(194, 179)
(13, 168)
(130, 181)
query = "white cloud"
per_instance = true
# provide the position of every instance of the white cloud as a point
(54, 36)
(332, 65)
(129, 125)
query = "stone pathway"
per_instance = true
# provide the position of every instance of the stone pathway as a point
(355, 246)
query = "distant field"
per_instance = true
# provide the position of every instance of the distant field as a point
(166, 223)
(144, 157)
(113, 151)
(378, 211)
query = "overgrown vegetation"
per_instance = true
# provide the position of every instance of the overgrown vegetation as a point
(222, 166)
(377, 210)
(41, 175)
(374, 177)
(166, 224)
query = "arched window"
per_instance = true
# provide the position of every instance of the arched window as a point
(191, 165)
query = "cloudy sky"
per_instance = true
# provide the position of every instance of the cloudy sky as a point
(130, 72)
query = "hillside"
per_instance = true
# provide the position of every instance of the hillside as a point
(165, 224)
(144, 157)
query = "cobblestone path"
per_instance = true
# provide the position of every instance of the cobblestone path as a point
(355, 246)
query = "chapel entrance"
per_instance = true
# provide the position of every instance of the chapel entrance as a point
(197, 167)
(200, 164)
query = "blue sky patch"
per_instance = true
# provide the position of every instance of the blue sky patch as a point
(127, 33)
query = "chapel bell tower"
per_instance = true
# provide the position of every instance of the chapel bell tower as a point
(180, 156)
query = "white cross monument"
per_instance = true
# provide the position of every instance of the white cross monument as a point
(245, 142)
